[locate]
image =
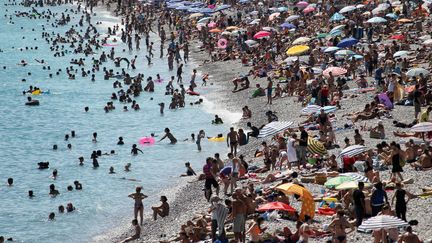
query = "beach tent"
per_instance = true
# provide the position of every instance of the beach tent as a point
(316, 147)
(308, 204)
(353, 150)
(274, 127)
(382, 222)
(276, 206)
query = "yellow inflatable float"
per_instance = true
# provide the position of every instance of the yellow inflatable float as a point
(216, 139)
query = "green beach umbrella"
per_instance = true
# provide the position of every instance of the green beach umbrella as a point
(334, 182)
(321, 35)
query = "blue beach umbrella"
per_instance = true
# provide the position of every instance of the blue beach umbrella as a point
(282, 9)
(287, 26)
(347, 42)
(244, 1)
(337, 17)
(392, 15)
(206, 10)
(182, 7)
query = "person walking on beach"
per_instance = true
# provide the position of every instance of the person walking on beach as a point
(359, 203)
(137, 232)
(210, 171)
(139, 206)
(269, 90)
(302, 147)
(232, 141)
(238, 215)
(338, 225)
(401, 204)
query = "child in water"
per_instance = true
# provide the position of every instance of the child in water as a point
(189, 170)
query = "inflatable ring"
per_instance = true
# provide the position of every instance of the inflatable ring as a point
(222, 43)
(147, 140)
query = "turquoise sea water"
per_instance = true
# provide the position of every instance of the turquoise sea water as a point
(28, 134)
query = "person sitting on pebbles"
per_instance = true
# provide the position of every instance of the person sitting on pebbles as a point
(162, 210)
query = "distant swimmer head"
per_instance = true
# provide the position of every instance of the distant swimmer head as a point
(51, 216)
(86, 109)
(55, 147)
(30, 194)
(23, 80)
(69, 146)
(70, 188)
(10, 181)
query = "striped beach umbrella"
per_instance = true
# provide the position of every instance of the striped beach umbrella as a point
(336, 71)
(422, 127)
(353, 150)
(356, 176)
(382, 222)
(274, 127)
(316, 147)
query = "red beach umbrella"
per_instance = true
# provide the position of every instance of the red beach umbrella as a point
(276, 206)
(397, 37)
(261, 34)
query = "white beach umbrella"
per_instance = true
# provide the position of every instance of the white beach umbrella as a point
(301, 40)
(292, 18)
(400, 54)
(376, 20)
(422, 127)
(331, 49)
(413, 72)
(344, 53)
(382, 222)
(274, 127)
(347, 9)
(353, 150)
(427, 42)
(251, 42)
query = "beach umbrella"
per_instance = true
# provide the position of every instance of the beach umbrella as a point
(413, 72)
(397, 37)
(400, 54)
(356, 176)
(231, 28)
(251, 42)
(273, 16)
(358, 6)
(276, 206)
(297, 50)
(274, 127)
(351, 185)
(269, 29)
(282, 9)
(405, 21)
(195, 15)
(336, 181)
(427, 42)
(336, 71)
(331, 49)
(347, 9)
(261, 34)
(302, 4)
(215, 30)
(337, 17)
(347, 42)
(391, 15)
(316, 147)
(422, 127)
(311, 109)
(353, 150)
(222, 7)
(308, 203)
(301, 40)
(203, 20)
(226, 170)
(244, 1)
(382, 222)
(321, 35)
(376, 20)
(211, 24)
(255, 21)
(206, 10)
(287, 26)
(292, 18)
(308, 10)
(358, 57)
(339, 27)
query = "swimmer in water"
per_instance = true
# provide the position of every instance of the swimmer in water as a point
(30, 194)
(127, 167)
(169, 135)
(139, 206)
(120, 141)
(189, 170)
(111, 170)
(135, 150)
(81, 160)
(162, 107)
(54, 174)
(94, 140)
(10, 181)
(53, 191)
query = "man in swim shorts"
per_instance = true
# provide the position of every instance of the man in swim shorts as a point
(232, 140)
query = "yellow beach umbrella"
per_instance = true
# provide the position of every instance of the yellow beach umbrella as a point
(351, 185)
(195, 15)
(316, 147)
(308, 203)
(231, 28)
(297, 50)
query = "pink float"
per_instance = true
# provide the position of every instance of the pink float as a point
(222, 43)
(146, 140)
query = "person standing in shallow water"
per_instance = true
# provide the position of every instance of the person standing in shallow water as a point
(169, 135)
(139, 206)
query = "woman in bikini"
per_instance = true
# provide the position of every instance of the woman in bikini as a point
(338, 226)
(139, 206)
